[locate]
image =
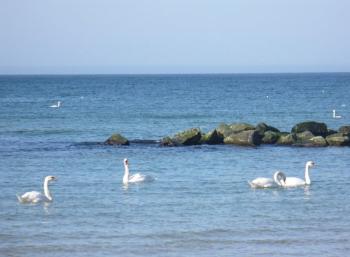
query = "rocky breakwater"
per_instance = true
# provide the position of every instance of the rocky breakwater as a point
(307, 134)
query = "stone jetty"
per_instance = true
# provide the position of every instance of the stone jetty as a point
(306, 134)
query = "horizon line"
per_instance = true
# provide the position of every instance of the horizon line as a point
(170, 73)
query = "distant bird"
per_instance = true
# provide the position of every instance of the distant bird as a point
(36, 197)
(261, 182)
(136, 178)
(336, 116)
(58, 105)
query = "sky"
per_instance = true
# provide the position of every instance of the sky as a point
(173, 36)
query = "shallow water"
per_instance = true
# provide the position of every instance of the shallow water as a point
(200, 203)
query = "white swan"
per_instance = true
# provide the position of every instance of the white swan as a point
(278, 179)
(136, 178)
(58, 105)
(336, 116)
(295, 182)
(35, 197)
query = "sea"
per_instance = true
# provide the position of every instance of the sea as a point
(199, 203)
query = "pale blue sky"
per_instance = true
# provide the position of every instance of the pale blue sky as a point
(174, 36)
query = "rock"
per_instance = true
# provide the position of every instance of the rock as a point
(263, 127)
(226, 130)
(212, 138)
(338, 139)
(117, 139)
(303, 137)
(270, 137)
(187, 137)
(331, 132)
(318, 141)
(244, 138)
(239, 127)
(286, 138)
(344, 129)
(167, 141)
(316, 128)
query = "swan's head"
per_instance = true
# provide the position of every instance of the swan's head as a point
(126, 162)
(310, 164)
(280, 178)
(50, 178)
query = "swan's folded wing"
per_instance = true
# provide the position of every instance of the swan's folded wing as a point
(138, 177)
(261, 183)
(294, 181)
(30, 196)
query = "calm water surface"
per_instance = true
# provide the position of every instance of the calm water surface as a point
(200, 203)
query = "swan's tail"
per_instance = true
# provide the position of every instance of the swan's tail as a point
(19, 198)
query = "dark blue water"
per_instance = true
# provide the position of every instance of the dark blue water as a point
(200, 203)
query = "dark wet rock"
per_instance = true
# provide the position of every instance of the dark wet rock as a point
(331, 132)
(270, 137)
(212, 138)
(316, 128)
(187, 137)
(263, 127)
(167, 141)
(318, 141)
(286, 138)
(338, 139)
(143, 141)
(117, 139)
(244, 138)
(344, 129)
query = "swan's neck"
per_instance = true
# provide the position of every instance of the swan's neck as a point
(46, 190)
(126, 174)
(279, 178)
(307, 175)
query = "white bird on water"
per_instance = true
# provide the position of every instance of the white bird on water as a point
(261, 182)
(295, 182)
(335, 116)
(136, 178)
(58, 105)
(36, 197)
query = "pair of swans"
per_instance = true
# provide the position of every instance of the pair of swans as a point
(280, 179)
(37, 197)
